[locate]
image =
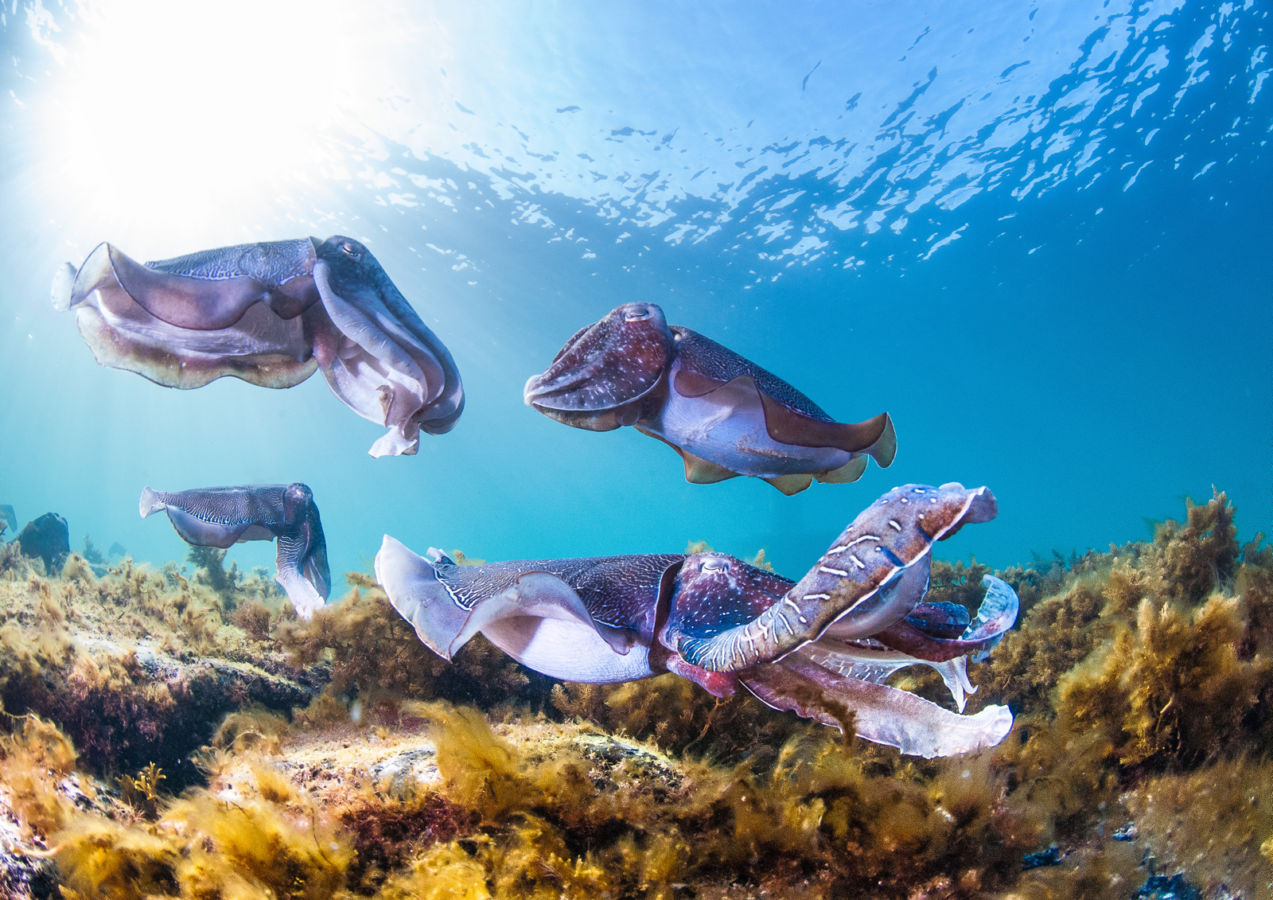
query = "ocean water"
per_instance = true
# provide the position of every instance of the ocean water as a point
(1038, 235)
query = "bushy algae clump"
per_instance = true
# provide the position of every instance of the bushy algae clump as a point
(1142, 681)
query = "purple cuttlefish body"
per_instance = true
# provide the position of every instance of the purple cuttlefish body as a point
(271, 314)
(724, 414)
(815, 646)
(224, 516)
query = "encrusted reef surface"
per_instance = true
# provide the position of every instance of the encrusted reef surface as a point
(178, 733)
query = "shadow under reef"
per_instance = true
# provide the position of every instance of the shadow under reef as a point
(173, 733)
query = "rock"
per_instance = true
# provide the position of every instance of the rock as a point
(47, 538)
(163, 710)
(26, 869)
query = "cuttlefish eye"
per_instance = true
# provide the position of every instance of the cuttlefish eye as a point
(715, 565)
(350, 249)
(636, 313)
(296, 497)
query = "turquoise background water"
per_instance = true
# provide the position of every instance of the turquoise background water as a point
(1038, 235)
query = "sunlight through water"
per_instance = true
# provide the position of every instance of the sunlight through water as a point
(216, 109)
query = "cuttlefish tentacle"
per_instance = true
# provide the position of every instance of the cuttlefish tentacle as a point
(223, 516)
(881, 714)
(996, 615)
(725, 415)
(820, 648)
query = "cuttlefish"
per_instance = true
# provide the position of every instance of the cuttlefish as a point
(224, 516)
(270, 314)
(816, 646)
(723, 414)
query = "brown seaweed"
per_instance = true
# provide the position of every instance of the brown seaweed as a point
(1141, 678)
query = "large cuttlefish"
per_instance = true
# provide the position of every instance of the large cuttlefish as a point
(815, 647)
(270, 314)
(724, 414)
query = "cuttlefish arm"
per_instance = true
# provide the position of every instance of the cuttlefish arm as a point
(270, 314)
(587, 620)
(377, 355)
(724, 415)
(881, 714)
(184, 322)
(819, 646)
(870, 577)
(221, 517)
(923, 636)
(877, 657)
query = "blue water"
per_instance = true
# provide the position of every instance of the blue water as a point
(1039, 236)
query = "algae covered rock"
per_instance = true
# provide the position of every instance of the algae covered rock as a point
(26, 871)
(205, 748)
(135, 667)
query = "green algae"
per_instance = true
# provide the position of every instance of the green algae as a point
(1141, 679)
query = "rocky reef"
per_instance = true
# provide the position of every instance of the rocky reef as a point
(179, 733)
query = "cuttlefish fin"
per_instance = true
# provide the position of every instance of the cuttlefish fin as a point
(205, 534)
(185, 301)
(413, 587)
(792, 484)
(540, 595)
(445, 621)
(875, 436)
(850, 471)
(809, 428)
(702, 471)
(697, 469)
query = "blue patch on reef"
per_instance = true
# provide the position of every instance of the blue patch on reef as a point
(1050, 856)
(1164, 887)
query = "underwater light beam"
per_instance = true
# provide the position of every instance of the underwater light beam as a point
(172, 115)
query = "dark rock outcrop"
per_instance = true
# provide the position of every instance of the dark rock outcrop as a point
(47, 538)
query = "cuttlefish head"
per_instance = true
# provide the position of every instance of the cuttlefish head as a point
(600, 379)
(830, 641)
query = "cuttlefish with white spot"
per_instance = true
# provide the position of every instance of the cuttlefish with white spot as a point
(816, 647)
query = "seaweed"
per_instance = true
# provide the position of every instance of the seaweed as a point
(341, 758)
(209, 563)
(374, 655)
(1232, 850)
(262, 839)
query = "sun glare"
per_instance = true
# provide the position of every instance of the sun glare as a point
(160, 113)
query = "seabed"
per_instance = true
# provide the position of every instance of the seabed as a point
(178, 732)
